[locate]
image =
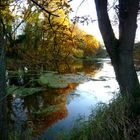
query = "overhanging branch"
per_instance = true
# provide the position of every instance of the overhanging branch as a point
(41, 7)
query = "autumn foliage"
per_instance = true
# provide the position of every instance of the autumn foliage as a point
(36, 36)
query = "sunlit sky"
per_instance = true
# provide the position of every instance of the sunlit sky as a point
(88, 8)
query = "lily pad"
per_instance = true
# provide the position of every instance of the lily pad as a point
(54, 80)
(23, 92)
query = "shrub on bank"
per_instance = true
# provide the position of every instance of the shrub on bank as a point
(107, 122)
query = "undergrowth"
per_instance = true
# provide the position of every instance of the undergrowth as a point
(108, 122)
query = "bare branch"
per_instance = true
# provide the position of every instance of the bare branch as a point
(21, 23)
(50, 13)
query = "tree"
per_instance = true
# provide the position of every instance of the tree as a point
(91, 45)
(121, 50)
(3, 103)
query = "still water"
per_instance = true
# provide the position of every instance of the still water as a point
(53, 110)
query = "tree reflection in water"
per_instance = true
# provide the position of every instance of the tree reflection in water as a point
(32, 115)
(40, 111)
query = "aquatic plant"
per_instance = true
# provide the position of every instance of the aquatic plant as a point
(22, 91)
(55, 80)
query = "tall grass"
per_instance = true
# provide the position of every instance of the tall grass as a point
(107, 122)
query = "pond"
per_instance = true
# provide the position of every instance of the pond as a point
(54, 109)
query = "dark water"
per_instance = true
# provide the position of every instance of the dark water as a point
(46, 113)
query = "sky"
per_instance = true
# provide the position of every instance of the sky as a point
(88, 8)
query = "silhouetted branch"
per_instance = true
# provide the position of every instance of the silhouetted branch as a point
(41, 7)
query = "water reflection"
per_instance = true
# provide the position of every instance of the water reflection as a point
(41, 110)
(56, 109)
(86, 96)
(18, 112)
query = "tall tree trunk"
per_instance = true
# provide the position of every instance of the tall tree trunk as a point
(128, 10)
(121, 50)
(3, 99)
